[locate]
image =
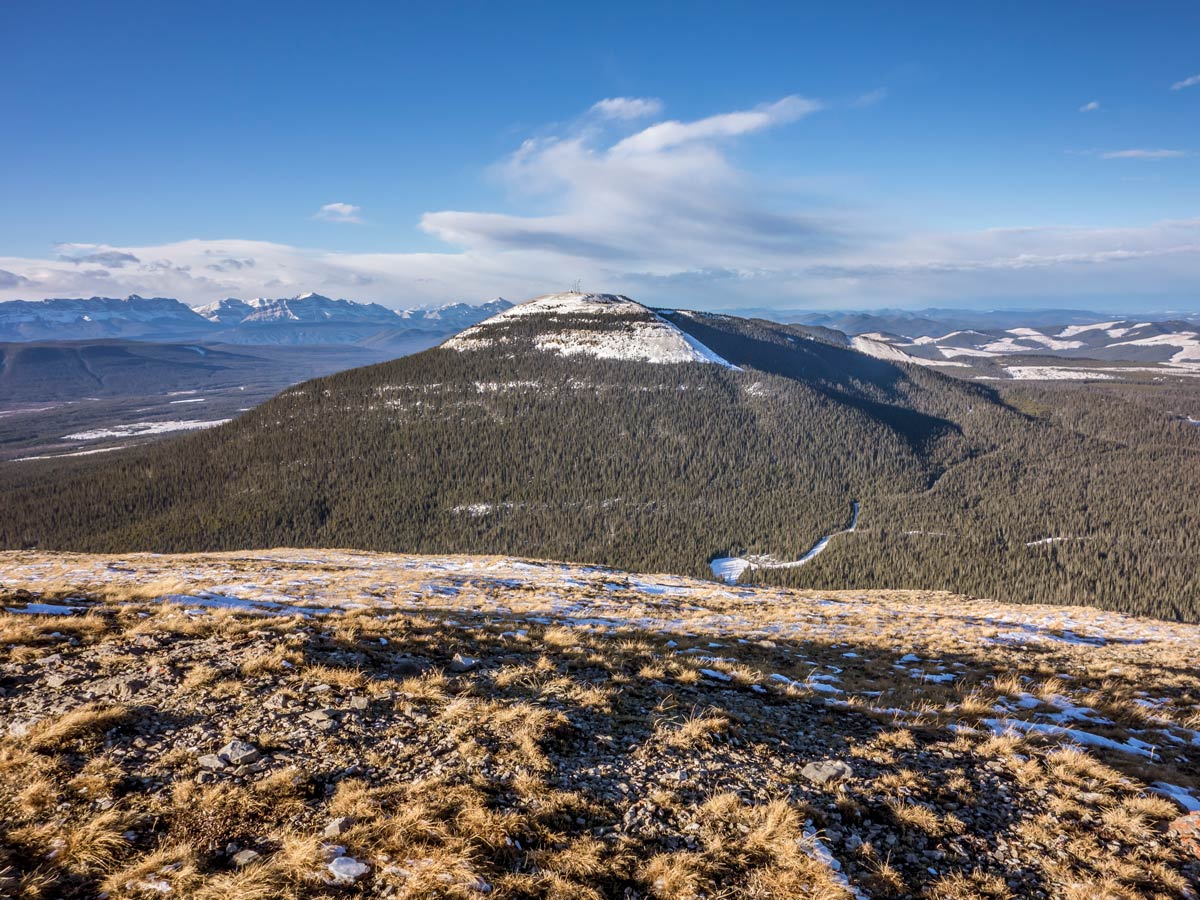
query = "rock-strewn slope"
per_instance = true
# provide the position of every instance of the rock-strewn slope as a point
(324, 723)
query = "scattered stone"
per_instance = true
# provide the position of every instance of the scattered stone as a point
(246, 857)
(359, 702)
(462, 663)
(118, 688)
(239, 753)
(212, 762)
(827, 770)
(320, 718)
(338, 827)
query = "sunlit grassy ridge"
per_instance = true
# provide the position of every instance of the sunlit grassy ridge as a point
(461, 726)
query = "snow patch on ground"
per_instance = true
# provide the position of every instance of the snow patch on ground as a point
(1133, 746)
(1179, 795)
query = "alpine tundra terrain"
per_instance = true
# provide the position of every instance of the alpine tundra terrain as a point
(316, 723)
(591, 428)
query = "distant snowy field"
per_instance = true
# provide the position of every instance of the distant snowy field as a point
(138, 429)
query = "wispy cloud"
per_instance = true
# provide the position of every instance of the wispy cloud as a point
(1141, 153)
(665, 135)
(628, 108)
(96, 255)
(1091, 106)
(870, 98)
(346, 213)
(1186, 83)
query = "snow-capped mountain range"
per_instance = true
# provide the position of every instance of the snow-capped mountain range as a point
(1173, 343)
(305, 319)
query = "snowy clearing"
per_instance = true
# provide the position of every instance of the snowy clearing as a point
(1054, 373)
(137, 429)
(76, 453)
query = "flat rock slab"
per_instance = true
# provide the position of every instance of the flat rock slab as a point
(826, 771)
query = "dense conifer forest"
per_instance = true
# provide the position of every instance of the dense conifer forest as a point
(1060, 493)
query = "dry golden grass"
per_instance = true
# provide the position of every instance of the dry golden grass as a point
(485, 777)
(270, 662)
(346, 679)
(900, 782)
(974, 886)
(78, 725)
(697, 729)
(921, 818)
(432, 687)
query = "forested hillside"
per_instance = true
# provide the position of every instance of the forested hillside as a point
(564, 434)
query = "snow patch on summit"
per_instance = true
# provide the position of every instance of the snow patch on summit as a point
(643, 336)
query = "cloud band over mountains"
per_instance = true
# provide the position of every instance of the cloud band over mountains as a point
(660, 209)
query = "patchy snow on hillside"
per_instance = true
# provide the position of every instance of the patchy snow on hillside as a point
(1072, 330)
(1188, 343)
(138, 429)
(1054, 373)
(880, 348)
(1038, 340)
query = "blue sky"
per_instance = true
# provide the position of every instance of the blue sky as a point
(788, 155)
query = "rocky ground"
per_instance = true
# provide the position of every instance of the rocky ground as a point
(309, 724)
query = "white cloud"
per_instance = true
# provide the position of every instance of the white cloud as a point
(1186, 83)
(340, 212)
(664, 135)
(665, 214)
(1091, 106)
(1140, 153)
(628, 108)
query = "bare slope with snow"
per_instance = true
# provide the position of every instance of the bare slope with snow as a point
(605, 326)
(1173, 347)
